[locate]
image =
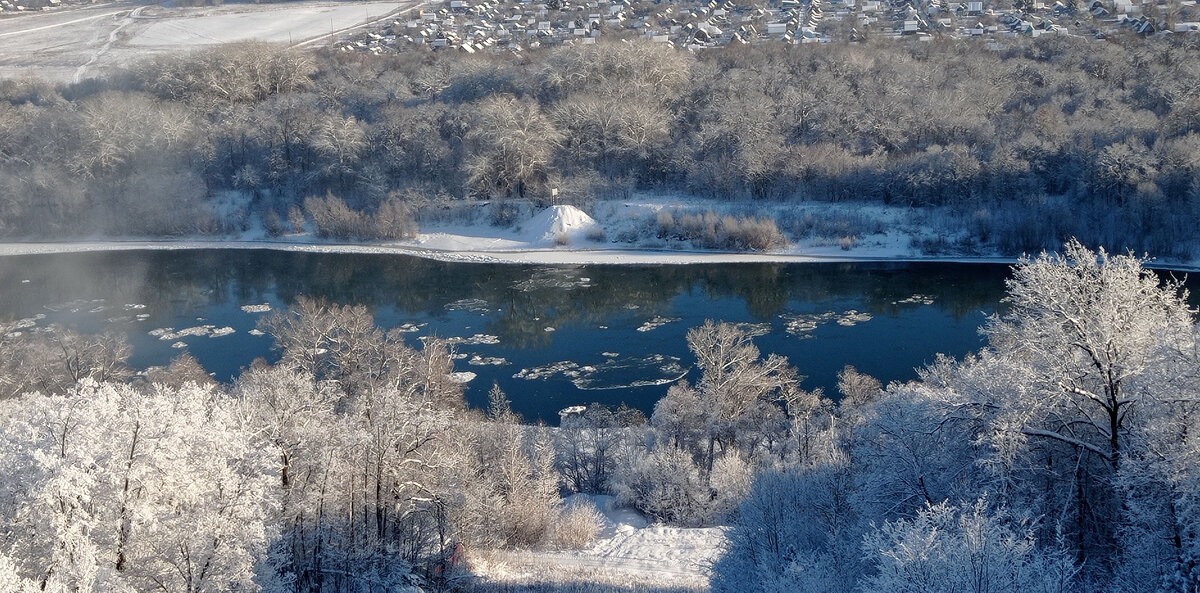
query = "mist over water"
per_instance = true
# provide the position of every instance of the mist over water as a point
(551, 336)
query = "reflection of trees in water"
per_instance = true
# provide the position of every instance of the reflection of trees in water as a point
(194, 280)
(201, 278)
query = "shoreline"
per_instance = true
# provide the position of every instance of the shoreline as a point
(532, 255)
(525, 256)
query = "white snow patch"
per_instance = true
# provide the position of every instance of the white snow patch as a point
(629, 552)
(557, 224)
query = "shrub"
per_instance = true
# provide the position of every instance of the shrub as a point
(710, 230)
(596, 234)
(576, 528)
(394, 220)
(334, 219)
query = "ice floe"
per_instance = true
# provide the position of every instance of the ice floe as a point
(212, 331)
(472, 305)
(614, 373)
(802, 325)
(474, 340)
(462, 376)
(263, 308)
(656, 322)
(553, 279)
(916, 299)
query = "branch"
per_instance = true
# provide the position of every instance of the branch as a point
(1068, 440)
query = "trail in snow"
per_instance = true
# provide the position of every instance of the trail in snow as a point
(627, 551)
(112, 38)
(62, 24)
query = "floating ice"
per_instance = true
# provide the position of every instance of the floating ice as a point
(132, 306)
(263, 308)
(754, 329)
(916, 299)
(462, 376)
(802, 325)
(656, 322)
(478, 360)
(472, 305)
(256, 332)
(547, 371)
(851, 318)
(409, 328)
(474, 340)
(548, 329)
(76, 306)
(28, 322)
(179, 345)
(553, 278)
(614, 373)
(212, 331)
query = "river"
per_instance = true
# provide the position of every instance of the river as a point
(550, 336)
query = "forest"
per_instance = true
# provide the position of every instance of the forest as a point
(1060, 457)
(1025, 144)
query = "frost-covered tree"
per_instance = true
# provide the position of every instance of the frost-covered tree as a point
(948, 548)
(111, 488)
(1094, 349)
(734, 403)
(795, 531)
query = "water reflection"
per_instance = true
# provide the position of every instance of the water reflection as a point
(884, 318)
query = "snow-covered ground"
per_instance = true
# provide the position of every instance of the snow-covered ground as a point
(629, 553)
(620, 232)
(616, 232)
(73, 43)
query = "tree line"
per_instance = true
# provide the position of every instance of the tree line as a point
(1025, 145)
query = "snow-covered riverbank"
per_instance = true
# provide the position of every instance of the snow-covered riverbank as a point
(618, 234)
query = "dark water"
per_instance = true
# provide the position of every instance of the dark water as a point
(567, 334)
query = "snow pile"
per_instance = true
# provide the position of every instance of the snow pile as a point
(557, 224)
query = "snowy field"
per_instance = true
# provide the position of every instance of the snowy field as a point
(75, 43)
(629, 554)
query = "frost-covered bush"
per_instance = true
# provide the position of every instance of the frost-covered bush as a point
(711, 230)
(667, 485)
(965, 548)
(334, 219)
(795, 531)
(576, 527)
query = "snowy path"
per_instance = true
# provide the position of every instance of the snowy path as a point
(112, 38)
(627, 552)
